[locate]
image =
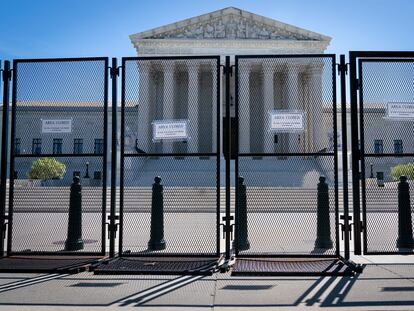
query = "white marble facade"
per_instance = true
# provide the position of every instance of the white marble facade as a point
(263, 85)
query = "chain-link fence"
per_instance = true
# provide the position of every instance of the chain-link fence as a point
(386, 115)
(170, 128)
(59, 139)
(287, 199)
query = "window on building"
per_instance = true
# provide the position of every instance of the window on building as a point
(37, 146)
(99, 146)
(78, 145)
(17, 146)
(398, 146)
(57, 145)
(378, 146)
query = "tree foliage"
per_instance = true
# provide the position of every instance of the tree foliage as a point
(47, 168)
(403, 170)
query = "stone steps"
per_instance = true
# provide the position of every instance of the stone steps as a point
(183, 199)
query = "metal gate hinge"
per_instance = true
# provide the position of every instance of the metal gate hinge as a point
(343, 68)
(116, 217)
(225, 218)
(228, 69)
(7, 74)
(113, 228)
(114, 71)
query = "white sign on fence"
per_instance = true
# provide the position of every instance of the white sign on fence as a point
(57, 126)
(287, 121)
(400, 111)
(169, 130)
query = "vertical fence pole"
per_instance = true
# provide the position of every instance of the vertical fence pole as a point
(228, 141)
(112, 216)
(4, 149)
(355, 153)
(344, 127)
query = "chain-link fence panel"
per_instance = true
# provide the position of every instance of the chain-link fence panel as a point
(170, 129)
(171, 92)
(59, 137)
(287, 150)
(282, 206)
(387, 145)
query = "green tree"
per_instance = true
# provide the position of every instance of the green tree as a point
(47, 168)
(403, 169)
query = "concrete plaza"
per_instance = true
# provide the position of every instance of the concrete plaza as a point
(387, 283)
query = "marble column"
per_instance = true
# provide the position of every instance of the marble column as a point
(168, 100)
(214, 104)
(144, 123)
(244, 107)
(268, 106)
(293, 101)
(193, 105)
(319, 137)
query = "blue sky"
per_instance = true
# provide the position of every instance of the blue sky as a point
(77, 28)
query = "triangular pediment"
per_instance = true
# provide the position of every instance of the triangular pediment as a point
(230, 23)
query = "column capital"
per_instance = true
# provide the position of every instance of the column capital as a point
(268, 70)
(293, 68)
(244, 67)
(168, 66)
(193, 66)
(316, 68)
(144, 66)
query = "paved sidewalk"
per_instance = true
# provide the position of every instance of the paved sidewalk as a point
(387, 284)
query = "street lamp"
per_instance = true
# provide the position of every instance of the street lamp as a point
(87, 170)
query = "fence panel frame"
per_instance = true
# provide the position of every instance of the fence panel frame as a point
(357, 58)
(334, 154)
(102, 252)
(123, 155)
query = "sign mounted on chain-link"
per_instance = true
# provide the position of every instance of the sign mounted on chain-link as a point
(399, 111)
(169, 130)
(287, 121)
(57, 126)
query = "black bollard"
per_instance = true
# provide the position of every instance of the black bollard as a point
(157, 241)
(243, 241)
(405, 225)
(74, 241)
(323, 239)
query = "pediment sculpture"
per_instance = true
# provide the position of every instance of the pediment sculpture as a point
(230, 27)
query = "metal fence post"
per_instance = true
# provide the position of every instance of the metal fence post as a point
(74, 241)
(356, 152)
(346, 229)
(323, 239)
(4, 150)
(227, 218)
(112, 216)
(157, 241)
(405, 224)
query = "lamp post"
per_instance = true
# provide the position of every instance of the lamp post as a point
(87, 170)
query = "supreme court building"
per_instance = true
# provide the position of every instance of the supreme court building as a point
(192, 91)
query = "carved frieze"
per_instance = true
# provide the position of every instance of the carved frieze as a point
(230, 27)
